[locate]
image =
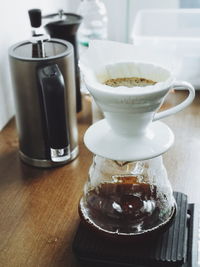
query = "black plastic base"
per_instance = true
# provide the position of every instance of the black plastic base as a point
(176, 247)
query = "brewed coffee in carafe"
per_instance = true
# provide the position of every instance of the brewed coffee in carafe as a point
(127, 198)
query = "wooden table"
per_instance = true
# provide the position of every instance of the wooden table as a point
(38, 207)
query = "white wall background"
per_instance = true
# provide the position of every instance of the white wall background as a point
(14, 27)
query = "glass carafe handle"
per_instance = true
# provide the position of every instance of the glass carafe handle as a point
(182, 105)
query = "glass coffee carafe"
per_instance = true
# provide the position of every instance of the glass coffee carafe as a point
(127, 198)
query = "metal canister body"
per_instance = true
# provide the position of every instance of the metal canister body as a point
(30, 114)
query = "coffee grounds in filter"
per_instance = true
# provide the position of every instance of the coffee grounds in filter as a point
(129, 82)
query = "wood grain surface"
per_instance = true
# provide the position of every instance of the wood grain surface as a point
(38, 207)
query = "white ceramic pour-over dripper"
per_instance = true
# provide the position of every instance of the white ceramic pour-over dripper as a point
(130, 112)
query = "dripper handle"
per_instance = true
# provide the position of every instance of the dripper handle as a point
(182, 105)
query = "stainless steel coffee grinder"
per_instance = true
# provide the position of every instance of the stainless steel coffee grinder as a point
(43, 78)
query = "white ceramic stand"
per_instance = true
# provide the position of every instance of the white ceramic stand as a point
(103, 141)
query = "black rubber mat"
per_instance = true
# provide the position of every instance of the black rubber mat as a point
(176, 247)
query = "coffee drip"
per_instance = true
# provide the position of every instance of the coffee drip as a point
(128, 193)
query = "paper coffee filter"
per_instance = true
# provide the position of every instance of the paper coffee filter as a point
(108, 60)
(107, 52)
(133, 69)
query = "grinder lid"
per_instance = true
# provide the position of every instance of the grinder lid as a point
(62, 25)
(54, 48)
(62, 19)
